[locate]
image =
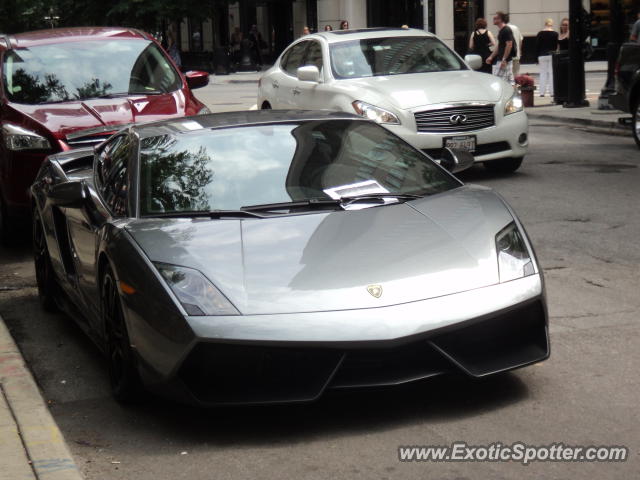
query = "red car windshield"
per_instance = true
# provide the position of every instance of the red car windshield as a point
(92, 69)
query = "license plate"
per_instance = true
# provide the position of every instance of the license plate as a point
(463, 142)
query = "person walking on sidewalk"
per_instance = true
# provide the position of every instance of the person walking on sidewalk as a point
(481, 43)
(502, 57)
(517, 40)
(563, 38)
(546, 44)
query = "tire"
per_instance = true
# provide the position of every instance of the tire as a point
(504, 165)
(45, 277)
(635, 124)
(124, 378)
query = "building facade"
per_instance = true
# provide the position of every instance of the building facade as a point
(282, 21)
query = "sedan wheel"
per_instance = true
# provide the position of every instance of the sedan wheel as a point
(5, 225)
(126, 385)
(636, 123)
(504, 165)
(45, 278)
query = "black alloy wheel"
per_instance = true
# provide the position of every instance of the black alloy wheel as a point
(45, 277)
(126, 385)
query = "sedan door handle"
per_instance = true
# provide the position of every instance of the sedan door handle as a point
(296, 91)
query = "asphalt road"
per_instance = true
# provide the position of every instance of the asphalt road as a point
(577, 193)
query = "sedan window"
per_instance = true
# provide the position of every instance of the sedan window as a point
(294, 58)
(314, 55)
(392, 56)
(229, 168)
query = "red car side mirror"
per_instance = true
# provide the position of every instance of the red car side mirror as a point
(197, 79)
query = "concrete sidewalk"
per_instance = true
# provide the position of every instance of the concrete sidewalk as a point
(31, 445)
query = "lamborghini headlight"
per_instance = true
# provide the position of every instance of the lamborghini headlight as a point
(513, 105)
(18, 138)
(377, 114)
(514, 260)
(195, 292)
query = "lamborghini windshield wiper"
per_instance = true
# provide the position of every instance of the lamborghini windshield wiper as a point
(317, 203)
(207, 213)
(310, 203)
(349, 199)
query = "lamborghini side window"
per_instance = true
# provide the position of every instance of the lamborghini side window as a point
(112, 169)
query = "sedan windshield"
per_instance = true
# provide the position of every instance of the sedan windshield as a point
(392, 56)
(82, 70)
(232, 168)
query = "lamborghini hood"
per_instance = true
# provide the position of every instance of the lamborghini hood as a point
(339, 260)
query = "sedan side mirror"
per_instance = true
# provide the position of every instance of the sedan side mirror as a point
(68, 194)
(197, 79)
(474, 61)
(309, 73)
(456, 160)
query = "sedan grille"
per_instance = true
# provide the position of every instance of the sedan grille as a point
(455, 119)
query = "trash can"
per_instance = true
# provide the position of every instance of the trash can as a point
(221, 61)
(560, 65)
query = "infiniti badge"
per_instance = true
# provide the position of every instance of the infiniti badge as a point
(457, 119)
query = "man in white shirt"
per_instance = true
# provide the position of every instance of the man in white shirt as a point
(517, 36)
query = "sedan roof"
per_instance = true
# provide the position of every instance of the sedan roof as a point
(367, 33)
(76, 34)
(236, 119)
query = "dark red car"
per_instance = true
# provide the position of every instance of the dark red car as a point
(68, 88)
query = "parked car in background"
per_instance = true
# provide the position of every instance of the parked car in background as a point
(627, 85)
(66, 88)
(410, 82)
(264, 256)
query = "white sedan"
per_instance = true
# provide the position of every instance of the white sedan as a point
(409, 81)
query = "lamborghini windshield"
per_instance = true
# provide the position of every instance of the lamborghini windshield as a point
(82, 70)
(392, 56)
(232, 168)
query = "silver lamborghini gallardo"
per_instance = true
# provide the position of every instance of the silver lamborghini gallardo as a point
(267, 256)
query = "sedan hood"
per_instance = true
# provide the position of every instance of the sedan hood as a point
(326, 261)
(419, 89)
(62, 119)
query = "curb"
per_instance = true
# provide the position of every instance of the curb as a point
(606, 125)
(46, 451)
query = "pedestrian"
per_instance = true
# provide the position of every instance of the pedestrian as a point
(563, 37)
(481, 43)
(635, 31)
(173, 50)
(344, 25)
(328, 28)
(546, 44)
(305, 30)
(518, 38)
(502, 57)
(257, 43)
(235, 44)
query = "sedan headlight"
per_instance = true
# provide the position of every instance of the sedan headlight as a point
(204, 111)
(514, 104)
(196, 293)
(377, 114)
(18, 138)
(514, 260)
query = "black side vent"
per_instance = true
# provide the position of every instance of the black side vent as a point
(62, 234)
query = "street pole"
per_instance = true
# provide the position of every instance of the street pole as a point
(576, 96)
(616, 39)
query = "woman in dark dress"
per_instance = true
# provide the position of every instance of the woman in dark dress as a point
(481, 42)
(563, 38)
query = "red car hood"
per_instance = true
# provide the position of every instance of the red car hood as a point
(62, 119)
